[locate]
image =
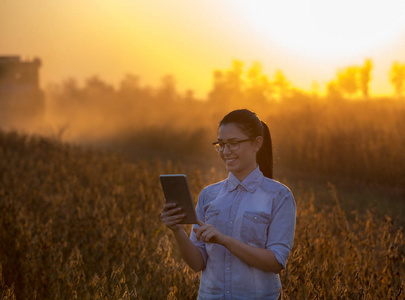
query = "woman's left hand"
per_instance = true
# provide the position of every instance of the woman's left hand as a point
(209, 234)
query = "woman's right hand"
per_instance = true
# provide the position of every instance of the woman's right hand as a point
(171, 216)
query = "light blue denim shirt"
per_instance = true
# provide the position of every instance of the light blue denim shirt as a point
(258, 211)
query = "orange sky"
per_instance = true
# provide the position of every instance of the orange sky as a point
(308, 40)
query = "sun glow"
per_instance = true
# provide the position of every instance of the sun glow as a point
(319, 28)
(307, 39)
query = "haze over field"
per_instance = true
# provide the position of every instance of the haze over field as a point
(307, 39)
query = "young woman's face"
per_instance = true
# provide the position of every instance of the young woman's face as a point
(240, 162)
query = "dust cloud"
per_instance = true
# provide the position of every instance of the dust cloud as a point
(141, 121)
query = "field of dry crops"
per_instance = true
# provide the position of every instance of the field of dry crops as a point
(78, 223)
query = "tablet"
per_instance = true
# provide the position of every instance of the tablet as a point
(175, 188)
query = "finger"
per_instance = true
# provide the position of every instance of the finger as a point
(209, 236)
(174, 211)
(203, 235)
(198, 233)
(201, 223)
(174, 218)
(172, 224)
(169, 206)
(171, 212)
(173, 221)
(208, 233)
(204, 232)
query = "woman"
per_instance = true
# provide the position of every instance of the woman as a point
(247, 221)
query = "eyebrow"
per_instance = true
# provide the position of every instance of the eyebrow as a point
(231, 139)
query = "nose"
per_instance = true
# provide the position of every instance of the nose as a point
(226, 149)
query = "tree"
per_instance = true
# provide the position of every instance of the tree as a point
(130, 84)
(70, 89)
(333, 91)
(228, 86)
(258, 86)
(234, 76)
(167, 90)
(281, 84)
(365, 77)
(397, 78)
(97, 88)
(350, 80)
(347, 80)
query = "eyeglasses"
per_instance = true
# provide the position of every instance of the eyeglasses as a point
(232, 145)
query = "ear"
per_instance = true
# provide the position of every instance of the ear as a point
(258, 143)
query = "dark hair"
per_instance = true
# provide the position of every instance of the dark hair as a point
(253, 127)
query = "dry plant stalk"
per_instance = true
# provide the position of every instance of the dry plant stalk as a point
(81, 224)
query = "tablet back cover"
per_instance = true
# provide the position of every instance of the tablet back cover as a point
(176, 190)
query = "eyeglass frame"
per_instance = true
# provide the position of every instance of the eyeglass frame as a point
(217, 144)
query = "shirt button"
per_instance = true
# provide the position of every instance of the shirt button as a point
(231, 222)
(227, 268)
(255, 218)
(227, 292)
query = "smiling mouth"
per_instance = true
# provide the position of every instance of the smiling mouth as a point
(229, 160)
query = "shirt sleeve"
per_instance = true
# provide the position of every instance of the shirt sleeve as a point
(280, 236)
(201, 216)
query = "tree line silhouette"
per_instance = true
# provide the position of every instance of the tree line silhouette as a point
(235, 85)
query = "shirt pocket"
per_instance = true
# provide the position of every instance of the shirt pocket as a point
(254, 228)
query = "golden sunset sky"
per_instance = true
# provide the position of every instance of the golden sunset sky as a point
(308, 40)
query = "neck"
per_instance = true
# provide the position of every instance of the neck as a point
(242, 175)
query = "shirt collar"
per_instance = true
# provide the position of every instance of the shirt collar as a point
(250, 183)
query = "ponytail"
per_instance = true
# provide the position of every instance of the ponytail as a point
(264, 156)
(253, 127)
